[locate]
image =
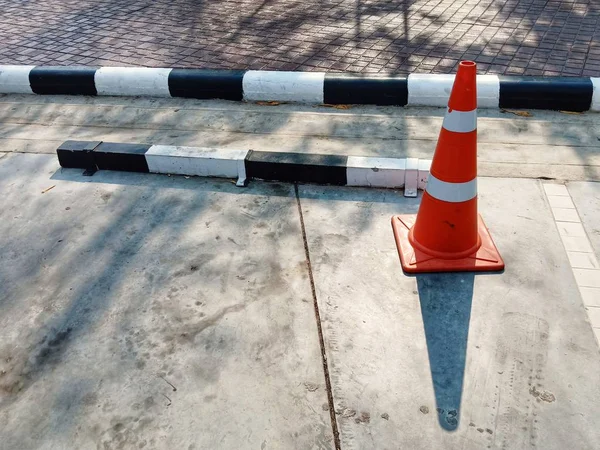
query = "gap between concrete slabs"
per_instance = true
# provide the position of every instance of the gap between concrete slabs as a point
(500, 359)
(331, 402)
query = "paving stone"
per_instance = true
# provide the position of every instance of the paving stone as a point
(264, 35)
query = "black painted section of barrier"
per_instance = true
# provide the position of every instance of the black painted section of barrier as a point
(125, 157)
(362, 90)
(206, 84)
(297, 167)
(103, 156)
(63, 80)
(554, 93)
(77, 154)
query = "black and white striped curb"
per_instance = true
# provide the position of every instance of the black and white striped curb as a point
(554, 93)
(244, 165)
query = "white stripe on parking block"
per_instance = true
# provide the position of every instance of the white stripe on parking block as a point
(205, 162)
(376, 172)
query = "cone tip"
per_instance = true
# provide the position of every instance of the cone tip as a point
(463, 96)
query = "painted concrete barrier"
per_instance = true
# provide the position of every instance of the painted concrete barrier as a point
(243, 165)
(554, 93)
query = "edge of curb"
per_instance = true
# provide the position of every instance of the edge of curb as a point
(575, 94)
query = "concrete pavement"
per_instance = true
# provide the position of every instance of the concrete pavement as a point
(165, 312)
(452, 360)
(152, 311)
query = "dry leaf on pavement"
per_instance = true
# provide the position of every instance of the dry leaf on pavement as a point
(517, 113)
(271, 103)
(327, 105)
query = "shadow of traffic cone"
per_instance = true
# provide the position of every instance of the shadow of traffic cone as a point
(447, 234)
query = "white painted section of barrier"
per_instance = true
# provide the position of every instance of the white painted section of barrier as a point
(300, 87)
(434, 90)
(488, 91)
(596, 95)
(451, 192)
(429, 90)
(375, 172)
(204, 162)
(15, 80)
(423, 172)
(460, 121)
(411, 177)
(132, 81)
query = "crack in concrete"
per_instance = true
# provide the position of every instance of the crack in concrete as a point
(334, 427)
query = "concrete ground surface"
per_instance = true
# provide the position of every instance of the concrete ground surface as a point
(154, 311)
(530, 37)
(454, 360)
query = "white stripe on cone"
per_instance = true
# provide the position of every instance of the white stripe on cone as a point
(460, 121)
(451, 192)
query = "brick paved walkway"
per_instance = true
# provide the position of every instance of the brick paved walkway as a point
(532, 37)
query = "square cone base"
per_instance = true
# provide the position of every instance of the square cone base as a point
(486, 259)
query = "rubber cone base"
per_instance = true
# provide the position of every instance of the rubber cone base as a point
(486, 259)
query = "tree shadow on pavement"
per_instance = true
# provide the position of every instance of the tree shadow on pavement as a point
(363, 36)
(530, 37)
(76, 267)
(446, 309)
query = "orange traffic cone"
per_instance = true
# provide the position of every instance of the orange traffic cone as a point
(447, 234)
